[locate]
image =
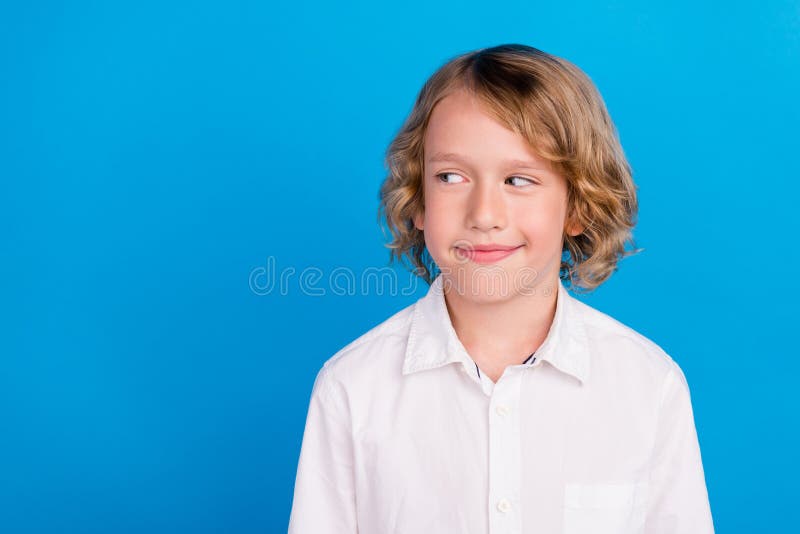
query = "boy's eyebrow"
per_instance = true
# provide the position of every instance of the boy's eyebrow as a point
(443, 157)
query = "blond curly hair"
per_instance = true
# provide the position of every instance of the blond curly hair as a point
(558, 110)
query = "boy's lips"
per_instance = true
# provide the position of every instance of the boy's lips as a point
(486, 253)
(489, 247)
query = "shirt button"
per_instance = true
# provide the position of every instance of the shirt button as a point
(503, 505)
(501, 410)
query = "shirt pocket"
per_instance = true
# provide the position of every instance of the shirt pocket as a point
(605, 508)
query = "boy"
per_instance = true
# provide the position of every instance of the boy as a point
(498, 402)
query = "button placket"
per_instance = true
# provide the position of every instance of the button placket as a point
(504, 455)
(503, 505)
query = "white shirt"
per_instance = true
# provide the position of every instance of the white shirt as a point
(595, 434)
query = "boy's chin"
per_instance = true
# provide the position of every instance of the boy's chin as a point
(494, 289)
(493, 284)
(479, 297)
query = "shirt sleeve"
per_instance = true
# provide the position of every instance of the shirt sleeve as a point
(324, 493)
(678, 496)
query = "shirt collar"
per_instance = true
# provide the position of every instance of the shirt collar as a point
(432, 341)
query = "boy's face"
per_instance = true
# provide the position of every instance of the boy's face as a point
(476, 195)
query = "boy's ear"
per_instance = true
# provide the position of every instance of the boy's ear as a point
(574, 229)
(573, 226)
(418, 218)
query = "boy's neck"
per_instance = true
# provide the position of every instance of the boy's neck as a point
(504, 332)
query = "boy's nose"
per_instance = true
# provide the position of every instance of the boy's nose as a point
(487, 209)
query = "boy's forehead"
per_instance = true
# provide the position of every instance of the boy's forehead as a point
(462, 129)
(455, 105)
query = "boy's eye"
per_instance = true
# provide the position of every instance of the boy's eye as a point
(521, 181)
(516, 180)
(443, 177)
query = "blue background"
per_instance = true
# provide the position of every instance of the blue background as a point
(155, 154)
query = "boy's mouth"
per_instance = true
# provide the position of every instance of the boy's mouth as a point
(486, 253)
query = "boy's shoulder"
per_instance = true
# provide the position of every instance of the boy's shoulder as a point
(383, 343)
(615, 343)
